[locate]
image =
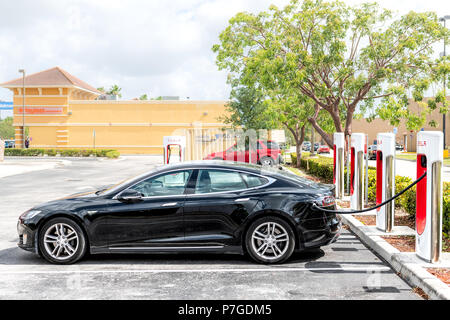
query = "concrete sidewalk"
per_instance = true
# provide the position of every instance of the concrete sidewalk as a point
(11, 167)
(408, 264)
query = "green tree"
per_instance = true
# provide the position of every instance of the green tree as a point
(247, 110)
(7, 129)
(349, 60)
(115, 90)
(143, 97)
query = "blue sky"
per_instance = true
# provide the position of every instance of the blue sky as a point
(153, 47)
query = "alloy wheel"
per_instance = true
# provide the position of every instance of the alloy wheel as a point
(270, 240)
(61, 241)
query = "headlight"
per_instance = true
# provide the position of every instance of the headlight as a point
(30, 214)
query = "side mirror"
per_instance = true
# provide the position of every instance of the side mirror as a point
(130, 196)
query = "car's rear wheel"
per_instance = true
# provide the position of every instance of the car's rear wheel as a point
(270, 240)
(267, 161)
(61, 241)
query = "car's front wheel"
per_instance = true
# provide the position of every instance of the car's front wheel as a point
(267, 161)
(61, 241)
(270, 240)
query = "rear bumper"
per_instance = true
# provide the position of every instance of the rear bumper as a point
(322, 234)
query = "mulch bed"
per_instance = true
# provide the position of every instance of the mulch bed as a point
(401, 219)
(442, 273)
(402, 243)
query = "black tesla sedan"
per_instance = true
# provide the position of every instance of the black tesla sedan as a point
(207, 206)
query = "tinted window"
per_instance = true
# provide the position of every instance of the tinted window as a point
(218, 181)
(254, 181)
(168, 184)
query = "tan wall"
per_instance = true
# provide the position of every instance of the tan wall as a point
(129, 126)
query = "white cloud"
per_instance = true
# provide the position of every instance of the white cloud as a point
(154, 47)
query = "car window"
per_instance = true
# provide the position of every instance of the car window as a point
(168, 184)
(218, 181)
(272, 145)
(253, 181)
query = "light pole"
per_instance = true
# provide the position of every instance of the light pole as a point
(22, 71)
(444, 19)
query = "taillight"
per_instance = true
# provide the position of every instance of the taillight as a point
(327, 201)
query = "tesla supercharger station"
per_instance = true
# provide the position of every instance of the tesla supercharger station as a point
(385, 180)
(174, 149)
(429, 195)
(358, 143)
(338, 164)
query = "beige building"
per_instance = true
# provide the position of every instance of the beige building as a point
(62, 111)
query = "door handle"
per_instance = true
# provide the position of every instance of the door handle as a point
(242, 200)
(170, 204)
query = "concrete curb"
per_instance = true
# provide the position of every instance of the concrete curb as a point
(415, 274)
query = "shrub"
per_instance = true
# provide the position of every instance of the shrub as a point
(113, 154)
(63, 152)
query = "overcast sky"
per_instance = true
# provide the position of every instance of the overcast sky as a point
(158, 47)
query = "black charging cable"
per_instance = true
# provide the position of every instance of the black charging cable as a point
(376, 207)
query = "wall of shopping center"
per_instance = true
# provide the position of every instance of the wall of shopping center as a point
(55, 120)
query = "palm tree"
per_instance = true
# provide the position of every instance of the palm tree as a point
(115, 91)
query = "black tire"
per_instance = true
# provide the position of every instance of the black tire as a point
(78, 245)
(250, 241)
(267, 161)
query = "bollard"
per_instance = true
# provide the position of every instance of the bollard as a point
(385, 180)
(357, 171)
(429, 195)
(338, 164)
(2, 150)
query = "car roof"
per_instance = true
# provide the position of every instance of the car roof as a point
(213, 164)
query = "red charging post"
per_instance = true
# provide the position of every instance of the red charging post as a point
(357, 171)
(338, 164)
(174, 149)
(429, 195)
(385, 180)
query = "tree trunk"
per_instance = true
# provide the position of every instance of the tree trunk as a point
(299, 145)
(299, 137)
(326, 137)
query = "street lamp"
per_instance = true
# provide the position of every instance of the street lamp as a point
(22, 71)
(444, 19)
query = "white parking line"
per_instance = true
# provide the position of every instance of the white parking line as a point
(348, 269)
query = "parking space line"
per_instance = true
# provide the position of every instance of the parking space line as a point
(343, 269)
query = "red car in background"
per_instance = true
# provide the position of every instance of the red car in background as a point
(323, 149)
(266, 153)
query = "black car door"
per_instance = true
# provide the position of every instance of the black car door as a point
(156, 220)
(215, 209)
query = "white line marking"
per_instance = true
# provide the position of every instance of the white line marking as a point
(371, 269)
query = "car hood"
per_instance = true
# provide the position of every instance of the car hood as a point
(68, 203)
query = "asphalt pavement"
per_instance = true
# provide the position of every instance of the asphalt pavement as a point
(344, 270)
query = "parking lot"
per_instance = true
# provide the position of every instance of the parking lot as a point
(344, 270)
